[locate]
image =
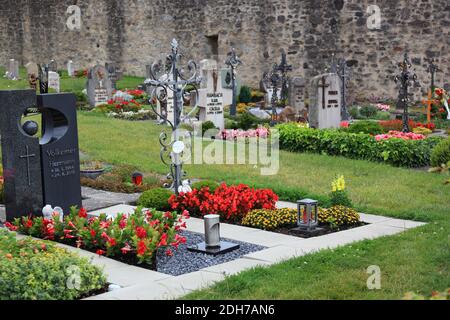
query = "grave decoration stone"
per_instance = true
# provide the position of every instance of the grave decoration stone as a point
(53, 81)
(325, 102)
(113, 74)
(53, 66)
(99, 86)
(211, 100)
(32, 74)
(70, 68)
(13, 70)
(297, 94)
(43, 78)
(39, 171)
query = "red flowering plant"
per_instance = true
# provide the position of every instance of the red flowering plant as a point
(134, 238)
(119, 105)
(232, 203)
(395, 125)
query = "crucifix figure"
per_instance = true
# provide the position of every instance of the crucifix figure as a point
(323, 85)
(27, 156)
(233, 62)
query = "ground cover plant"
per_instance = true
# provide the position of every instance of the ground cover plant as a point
(39, 270)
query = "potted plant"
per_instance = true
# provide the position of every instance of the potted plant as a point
(91, 169)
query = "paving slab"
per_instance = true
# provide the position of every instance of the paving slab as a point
(236, 266)
(403, 224)
(148, 291)
(114, 210)
(128, 275)
(193, 281)
(371, 218)
(275, 254)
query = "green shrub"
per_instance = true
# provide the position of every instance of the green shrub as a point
(155, 199)
(38, 270)
(270, 219)
(231, 124)
(207, 125)
(247, 121)
(441, 153)
(245, 95)
(369, 127)
(398, 152)
(354, 112)
(212, 185)
(368, 111)
(124, 171)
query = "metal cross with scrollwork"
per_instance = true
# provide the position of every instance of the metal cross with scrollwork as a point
(343, 71)
(284, 68)
(273, 77)
(165, 79)
(406, 78)
(233, 62)
(432, 69)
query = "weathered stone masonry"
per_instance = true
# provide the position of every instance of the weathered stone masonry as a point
(133, 33)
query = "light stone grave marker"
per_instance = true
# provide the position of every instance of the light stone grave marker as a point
(211, 98)
(99, 86)
(325, 102)
(53, 81)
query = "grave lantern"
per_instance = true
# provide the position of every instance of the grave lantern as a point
(137, 178)
(307, 214)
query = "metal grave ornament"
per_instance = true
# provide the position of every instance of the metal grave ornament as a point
(273, 79)
(232, 62)
(284, 68)
(212, 244)
(169, 80)
(405, 79)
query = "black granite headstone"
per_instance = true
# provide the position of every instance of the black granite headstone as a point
(21, 156)
(59, 150)
(39, 172)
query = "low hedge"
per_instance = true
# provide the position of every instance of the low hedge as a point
(397, 152)
(441, 154)
(38, 270)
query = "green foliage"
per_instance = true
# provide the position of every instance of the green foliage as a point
(354, 112)
(38, 270)
(441, 153)
(212, 185)
(368, 111)
(207, 125)
(247, 121)
(339, 216)
(155, 199)
(187, 127)
(245, 95)
(340, 197)
(398, 152)
(369, 127)
(270, 219)
(231, 124)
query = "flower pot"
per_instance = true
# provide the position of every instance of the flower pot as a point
(92, 174)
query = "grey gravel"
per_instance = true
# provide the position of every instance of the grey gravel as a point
(184, 261)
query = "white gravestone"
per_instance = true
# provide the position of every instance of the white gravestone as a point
(325, 102)
(99, 86)
(297, 94)
(70, 68)
(53, 81)
(169, 110)
(211, 100)
(13, 70)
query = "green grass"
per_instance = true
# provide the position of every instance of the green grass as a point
(416, 260)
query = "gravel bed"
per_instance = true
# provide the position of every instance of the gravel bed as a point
(184, 261)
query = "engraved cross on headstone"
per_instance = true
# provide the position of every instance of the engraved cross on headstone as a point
(323, 84)
(27, 156)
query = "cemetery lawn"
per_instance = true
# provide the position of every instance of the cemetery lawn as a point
(416, 260)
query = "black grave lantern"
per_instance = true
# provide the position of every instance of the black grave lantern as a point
(307, 214)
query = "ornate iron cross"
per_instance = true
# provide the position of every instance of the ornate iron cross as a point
(171, 78)
(406, 78)
(344, 74)
(432, 69)
(284, 68)
(233, 62)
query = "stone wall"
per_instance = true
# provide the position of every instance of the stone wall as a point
(133, 33)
